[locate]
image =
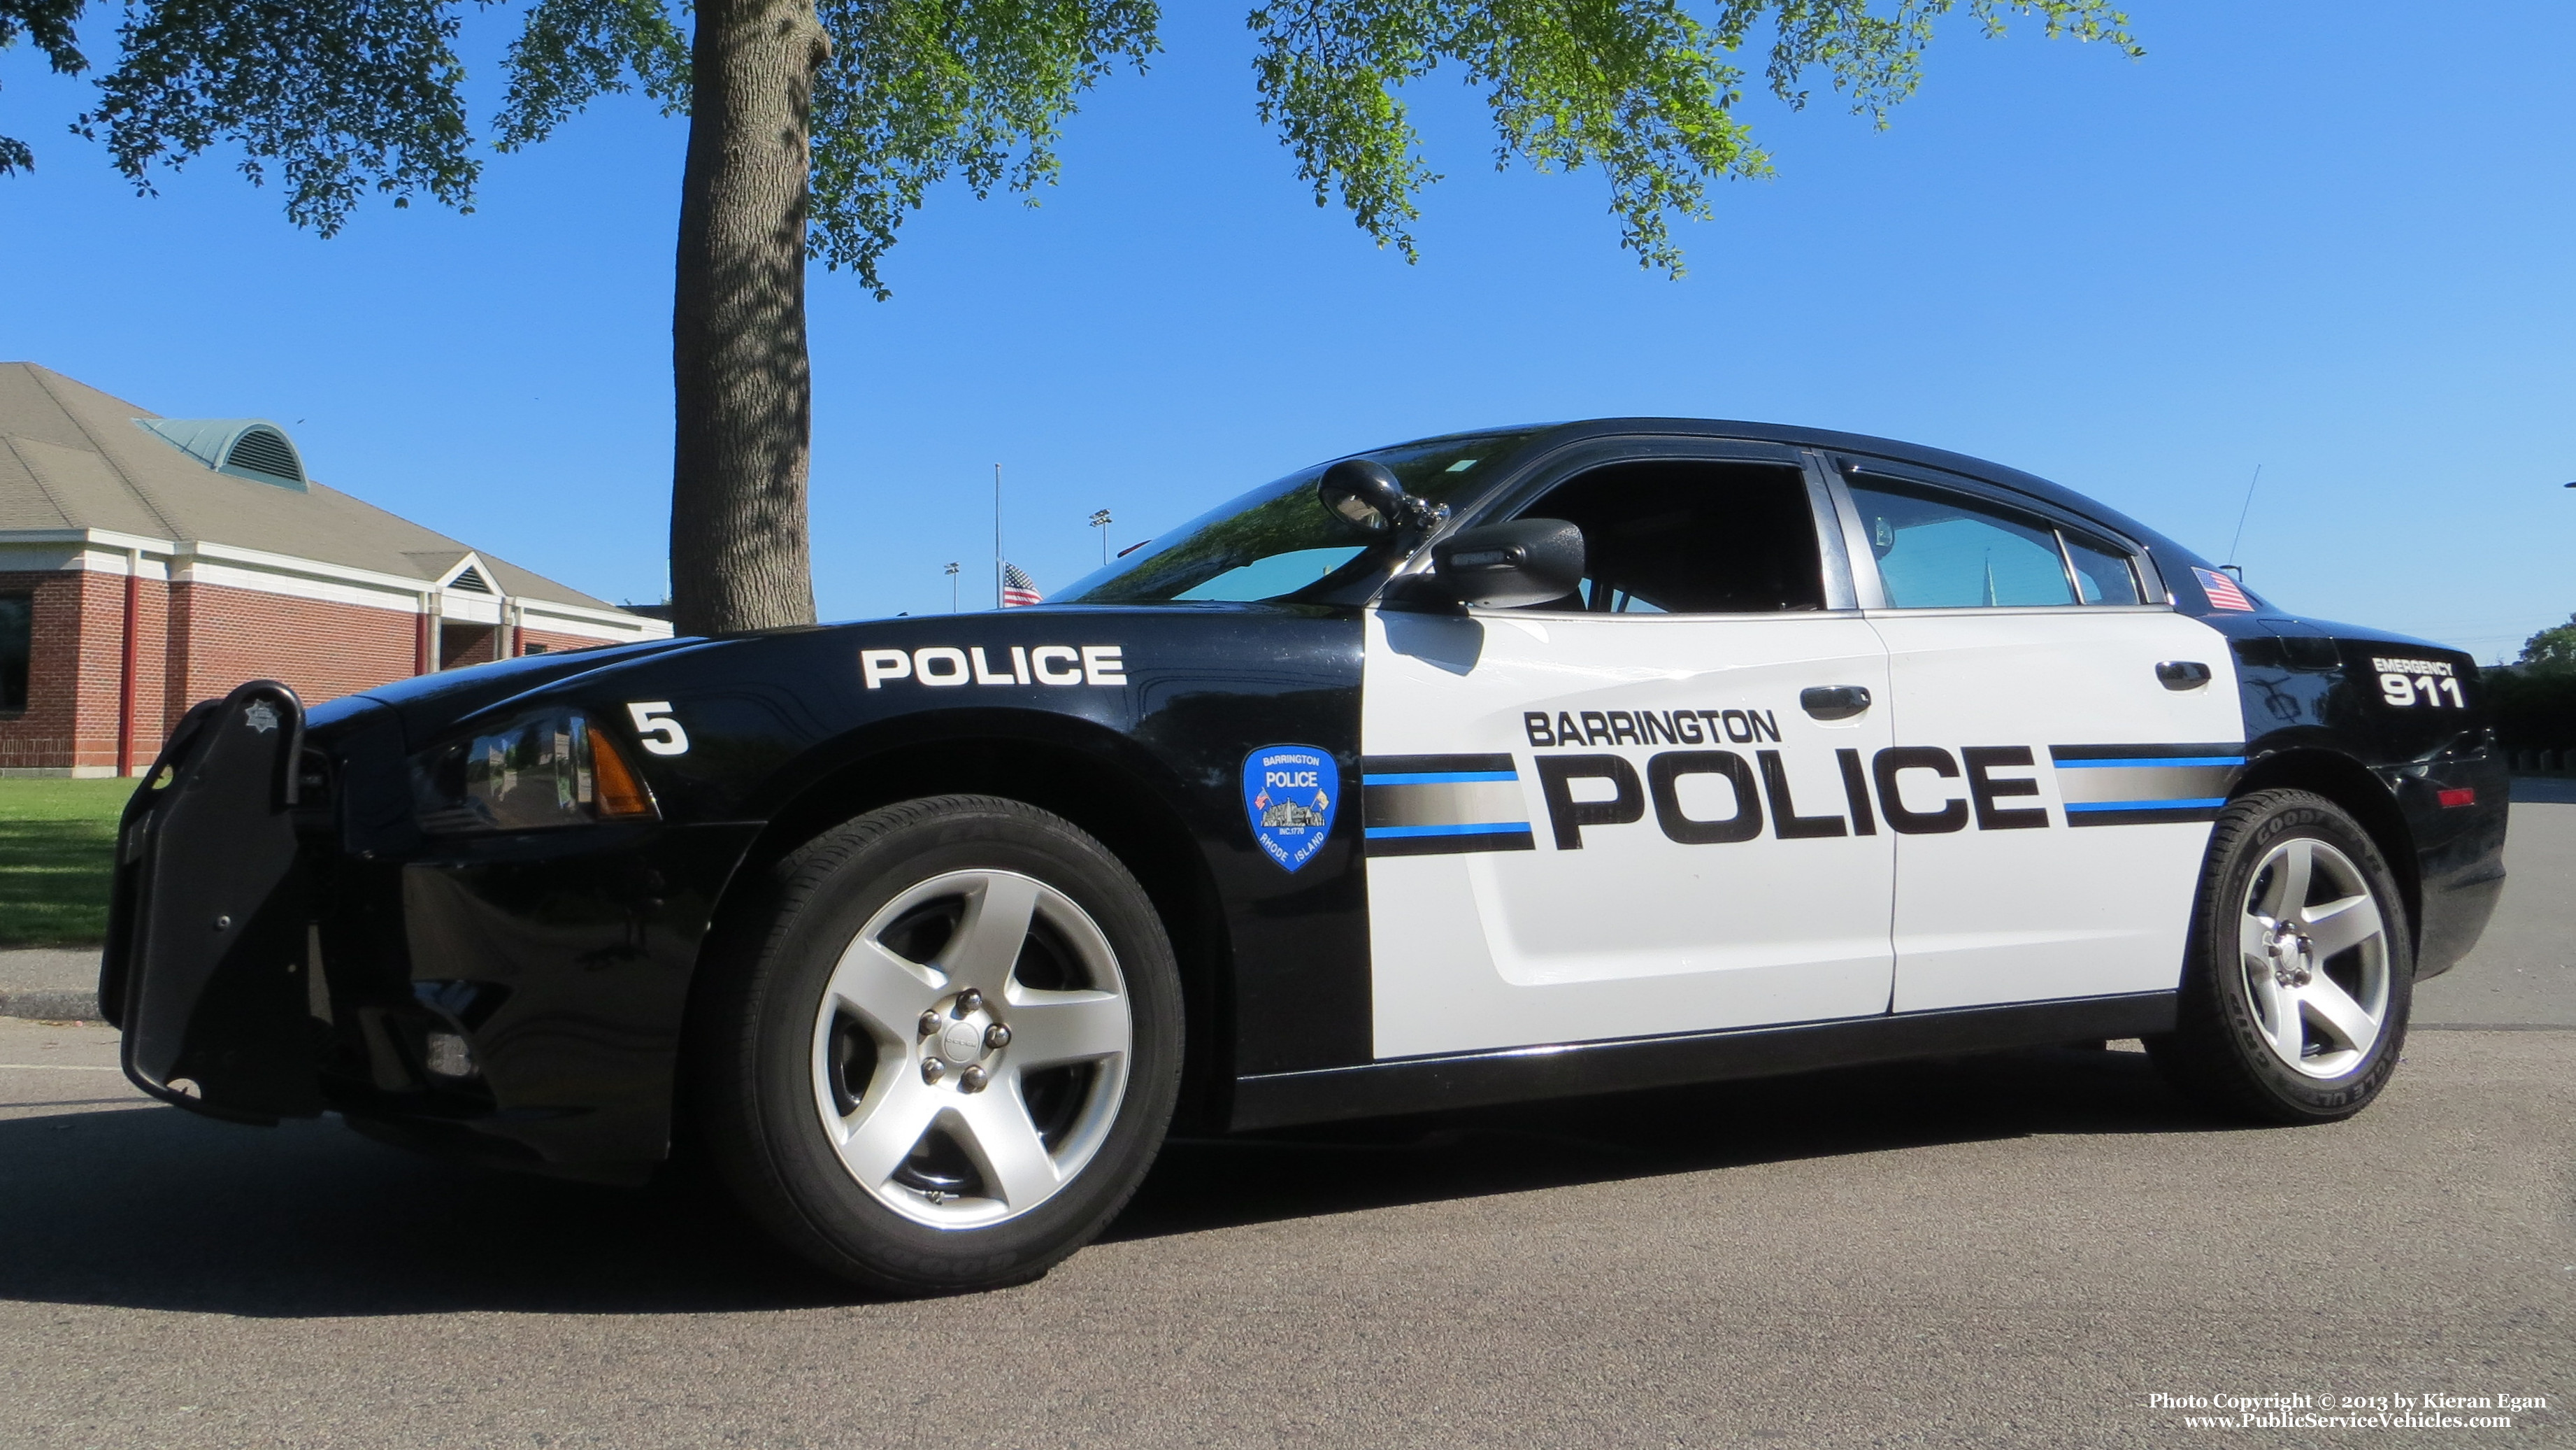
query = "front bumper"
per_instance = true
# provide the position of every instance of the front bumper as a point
(515, 998)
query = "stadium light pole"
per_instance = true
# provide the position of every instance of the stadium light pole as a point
(1100, 521)
(952, 586)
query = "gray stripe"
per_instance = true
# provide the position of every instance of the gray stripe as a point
(2144, 783)
(1460, 803)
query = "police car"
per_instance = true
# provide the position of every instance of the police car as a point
(1498, 766)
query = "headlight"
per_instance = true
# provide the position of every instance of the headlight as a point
(547, 770)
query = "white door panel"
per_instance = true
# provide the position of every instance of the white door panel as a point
(2070, 875)
(1502, 917)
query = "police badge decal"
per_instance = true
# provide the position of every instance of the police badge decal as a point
(1289, 793)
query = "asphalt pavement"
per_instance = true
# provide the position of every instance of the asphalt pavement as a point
(2022, 1249)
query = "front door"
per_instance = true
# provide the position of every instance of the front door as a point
(1615, 815)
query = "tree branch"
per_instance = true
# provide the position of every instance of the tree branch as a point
(1644, 89)
(348, 96)
(49, 24)
(574, 51)
(918, 90)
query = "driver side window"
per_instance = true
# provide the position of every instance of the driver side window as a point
(1683, 537)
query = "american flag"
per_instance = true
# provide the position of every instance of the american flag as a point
(2223, 592)
(1019, 589)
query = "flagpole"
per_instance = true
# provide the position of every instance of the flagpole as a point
(997, 536)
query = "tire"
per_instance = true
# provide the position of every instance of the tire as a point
(2299, 978)
(907, 1133)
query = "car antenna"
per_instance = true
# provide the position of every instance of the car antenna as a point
(2240, 516)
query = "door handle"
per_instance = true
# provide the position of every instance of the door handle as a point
(1834, 702)
(2183, 674)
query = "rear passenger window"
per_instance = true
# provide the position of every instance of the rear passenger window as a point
(1683, 537)
(1938, 551)
(2103, 574)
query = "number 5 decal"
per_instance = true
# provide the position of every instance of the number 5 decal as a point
(660, 733)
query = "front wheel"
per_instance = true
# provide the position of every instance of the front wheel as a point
(2295, 994)
(954, 1057)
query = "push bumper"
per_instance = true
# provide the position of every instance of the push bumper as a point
(207, 967)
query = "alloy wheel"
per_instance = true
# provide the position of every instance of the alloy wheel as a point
(971, 1048)
(2314, 947)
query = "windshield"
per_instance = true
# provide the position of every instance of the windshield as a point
(1279, 538)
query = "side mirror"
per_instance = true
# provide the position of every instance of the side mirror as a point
(1526, 561)
(1365, 492)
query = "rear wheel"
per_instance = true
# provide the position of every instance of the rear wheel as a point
(954, 1056)
(2295, 998)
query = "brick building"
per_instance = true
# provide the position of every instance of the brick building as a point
(147, 563)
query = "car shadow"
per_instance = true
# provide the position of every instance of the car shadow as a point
(1203, 1184)
(153, 1208)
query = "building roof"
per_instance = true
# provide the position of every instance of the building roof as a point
(72, 457)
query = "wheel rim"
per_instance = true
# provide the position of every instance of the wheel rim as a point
(970, 1050)
(2314, 949)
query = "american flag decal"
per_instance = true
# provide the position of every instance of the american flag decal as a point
(2223, 592)
(1019, 589)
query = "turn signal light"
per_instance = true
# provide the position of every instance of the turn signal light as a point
(616, 788)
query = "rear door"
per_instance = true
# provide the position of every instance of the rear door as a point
(2050, 787)
(1613, 816)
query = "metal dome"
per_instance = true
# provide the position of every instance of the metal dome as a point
(251, 448)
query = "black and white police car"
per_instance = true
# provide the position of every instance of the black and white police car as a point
(1498, 766)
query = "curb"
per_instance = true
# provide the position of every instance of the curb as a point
(49, 1006)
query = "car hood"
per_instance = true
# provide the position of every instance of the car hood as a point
(430, 705)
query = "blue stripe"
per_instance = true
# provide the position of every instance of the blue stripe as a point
(2207, 803)
(1442, 777)
(2096, 763)
(1489, 828)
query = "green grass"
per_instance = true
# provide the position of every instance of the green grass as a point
(57, 853)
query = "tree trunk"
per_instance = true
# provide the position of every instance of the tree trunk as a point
(743, 386)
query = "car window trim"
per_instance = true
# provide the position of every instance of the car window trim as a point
(1996, 611)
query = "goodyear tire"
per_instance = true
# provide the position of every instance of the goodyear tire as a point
(953, 1056)
(2301, 972)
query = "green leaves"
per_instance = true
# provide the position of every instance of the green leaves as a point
(1633, 86)
(1878, 60)
(2552, 650)
(1643, 89)
(345, 96)
(353, 96)
(49, 24)
(574, 51)
(919, 90)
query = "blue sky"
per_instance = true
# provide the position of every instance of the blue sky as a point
(2330, 239)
